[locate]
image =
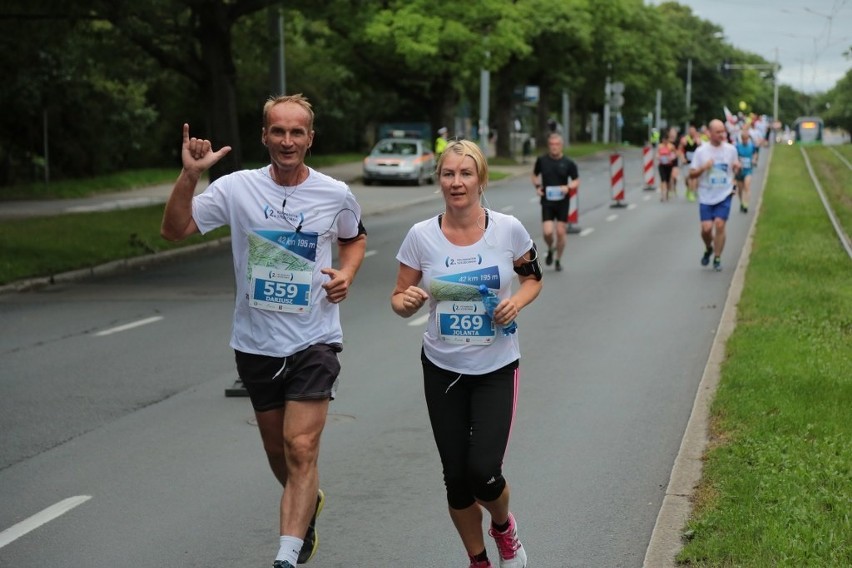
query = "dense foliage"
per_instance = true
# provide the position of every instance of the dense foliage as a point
(96, 86)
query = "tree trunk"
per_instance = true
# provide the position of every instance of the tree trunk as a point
(219, 87)
(442, 104)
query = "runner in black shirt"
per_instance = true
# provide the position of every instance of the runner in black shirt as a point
(554, 174)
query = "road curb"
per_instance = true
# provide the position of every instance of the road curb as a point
(666, 538)
(109, 267)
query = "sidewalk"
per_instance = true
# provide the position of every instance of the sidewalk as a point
(373, 199)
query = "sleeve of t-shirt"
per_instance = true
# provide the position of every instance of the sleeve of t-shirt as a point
(211, 208)
(409, 250)
(735, 156)
(349, 217)
(573, 171)
(697, 159)
(537, 167)
(521, 240)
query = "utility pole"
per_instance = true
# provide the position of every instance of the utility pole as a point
(484, 90)
(688, 94)
(566, 116)
(278, 80)
(281, 72)
(658, 110)
(606, 120)
(46, 149)
(774, 67)
(775, 87)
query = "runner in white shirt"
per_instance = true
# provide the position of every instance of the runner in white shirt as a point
(758, 137)
(714, 165)
(470, 360)
(284, 219)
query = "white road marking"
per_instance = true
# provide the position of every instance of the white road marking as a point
(507, 208)
(15, 532)
(419, 321)
(587, 231)
(646, 198)
(611, 218)
(534, 199)
(370, 253)
(631, 206)
(127, 326)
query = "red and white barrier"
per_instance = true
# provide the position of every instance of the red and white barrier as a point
(573, 212)
(648, 167)
(616, 174)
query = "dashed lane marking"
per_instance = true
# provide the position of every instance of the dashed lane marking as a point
(127, 326)
(15, 532)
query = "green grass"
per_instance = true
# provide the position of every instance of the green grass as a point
(47, 246)
(131, 179)
(835, 179)
(777, 485)
(66, 189)
(582, 149)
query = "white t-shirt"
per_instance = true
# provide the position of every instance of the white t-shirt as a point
(457, 338)
(717, 183)
(756, 136)
(280, 306)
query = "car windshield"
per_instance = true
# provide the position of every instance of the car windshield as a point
(396, 147)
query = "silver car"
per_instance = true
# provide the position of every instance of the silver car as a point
(400, 160)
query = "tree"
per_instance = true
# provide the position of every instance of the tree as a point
(837, 104)
(193, 38)
(74, 101)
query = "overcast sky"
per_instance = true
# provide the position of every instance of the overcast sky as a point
(810, 35)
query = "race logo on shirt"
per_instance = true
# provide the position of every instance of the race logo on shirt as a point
(270, 212)
(462, 261)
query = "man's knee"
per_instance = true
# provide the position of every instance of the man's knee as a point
(301, 450)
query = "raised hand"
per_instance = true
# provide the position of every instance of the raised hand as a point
(197, 154)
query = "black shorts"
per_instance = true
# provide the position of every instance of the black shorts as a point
(665, 173)
(471, 417)
(309, 374)
(555, 210)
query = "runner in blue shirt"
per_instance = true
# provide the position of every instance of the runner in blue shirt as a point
(745, 152)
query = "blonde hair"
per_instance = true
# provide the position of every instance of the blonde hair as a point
(473, 151)
(298, 99)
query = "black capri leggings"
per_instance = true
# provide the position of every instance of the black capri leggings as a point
(471, 418)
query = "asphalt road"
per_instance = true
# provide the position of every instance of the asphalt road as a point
(112, 388)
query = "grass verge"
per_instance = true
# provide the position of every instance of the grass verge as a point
(46, 246)
(777, 483)
(131, 179)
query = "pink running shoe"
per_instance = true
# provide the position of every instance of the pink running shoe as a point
(512, 553)
(480, 564)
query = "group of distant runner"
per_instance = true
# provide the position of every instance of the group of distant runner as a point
(718, 159)
(746, 133)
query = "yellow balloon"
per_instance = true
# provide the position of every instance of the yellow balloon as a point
(743, 105)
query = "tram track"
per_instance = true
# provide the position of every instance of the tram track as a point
(842, 235)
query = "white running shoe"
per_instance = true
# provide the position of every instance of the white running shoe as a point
(512, 553)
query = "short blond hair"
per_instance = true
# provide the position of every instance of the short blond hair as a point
(470, 149)
(298, 99)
